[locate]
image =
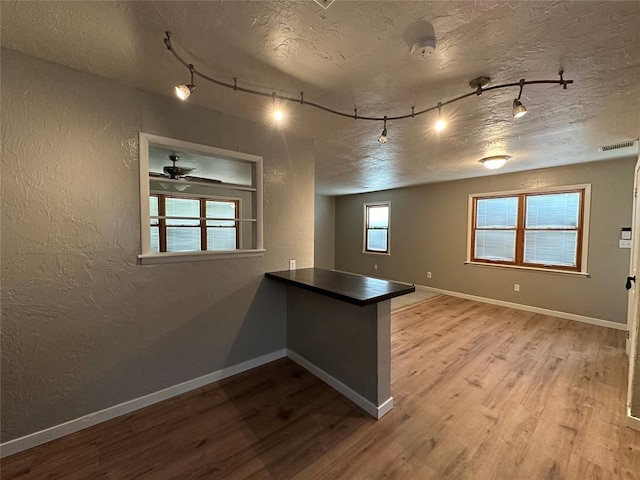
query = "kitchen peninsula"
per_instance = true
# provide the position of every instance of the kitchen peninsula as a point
(339, 328)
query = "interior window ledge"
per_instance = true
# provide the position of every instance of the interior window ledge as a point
(178, 257)
(386, 254)
(534, 269)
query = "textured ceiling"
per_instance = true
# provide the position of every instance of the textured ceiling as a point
(355, 55)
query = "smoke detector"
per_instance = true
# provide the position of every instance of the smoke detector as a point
(420, 37)
(424, 46)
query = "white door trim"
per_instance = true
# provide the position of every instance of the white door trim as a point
(633, 316)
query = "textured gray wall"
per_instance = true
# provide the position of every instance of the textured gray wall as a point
(83, 326)
(325, 232)
(429, 233)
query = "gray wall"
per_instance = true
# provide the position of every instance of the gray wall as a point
(83, 326)
(324, 232)
(429, 233)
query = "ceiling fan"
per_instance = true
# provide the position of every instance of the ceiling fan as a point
(174, 172)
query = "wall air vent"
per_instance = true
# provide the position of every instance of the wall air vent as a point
(616, 146)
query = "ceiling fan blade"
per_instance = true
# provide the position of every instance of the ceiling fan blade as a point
(202, 179)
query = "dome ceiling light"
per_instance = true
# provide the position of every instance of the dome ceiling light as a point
(495, 162)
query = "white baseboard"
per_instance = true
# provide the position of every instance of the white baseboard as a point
(72, 426)
(376, 411)
(633, 422)
(528, 308)
(519, 306)
(383, 409)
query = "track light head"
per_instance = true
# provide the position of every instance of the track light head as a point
(383, 136)
(440, 124)
(518, 109)
(495, 162)
(184, 91)
(276, 112)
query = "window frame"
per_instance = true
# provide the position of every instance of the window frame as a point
(365, 224)
(146, 256)
(520, 229)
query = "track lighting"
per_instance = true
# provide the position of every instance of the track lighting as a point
(440, 124)
(495, 162)
(518, 108)
(183, 91)
(278, 114)
(383, 136)
(479, 86)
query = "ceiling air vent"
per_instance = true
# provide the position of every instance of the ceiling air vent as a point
(616, 146)
(324, 3)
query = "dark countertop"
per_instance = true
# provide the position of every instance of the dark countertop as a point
(356, 289)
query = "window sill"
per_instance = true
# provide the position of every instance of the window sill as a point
(534, 269)
(179, 257)
(385, 254)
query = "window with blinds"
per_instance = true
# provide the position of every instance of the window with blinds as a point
(496, 225)
(198, 202)
(376, 227)
(542, 229)
(191, 224)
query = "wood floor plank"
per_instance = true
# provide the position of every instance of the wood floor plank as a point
(481, 392)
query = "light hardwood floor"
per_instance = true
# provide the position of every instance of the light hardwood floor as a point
(481, 392)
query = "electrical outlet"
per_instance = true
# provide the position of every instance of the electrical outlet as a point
(375, 266)
(516, 287)
(428, 274)
(292, 264)
(624, 243)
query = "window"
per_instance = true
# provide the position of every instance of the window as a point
(198, 202)
(191, 224)
(376, 227)
(536, 229)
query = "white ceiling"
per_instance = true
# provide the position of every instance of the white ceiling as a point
(354, 55)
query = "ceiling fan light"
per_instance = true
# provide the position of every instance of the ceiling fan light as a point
(184, 91)
(495, 162)
(518, 109)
